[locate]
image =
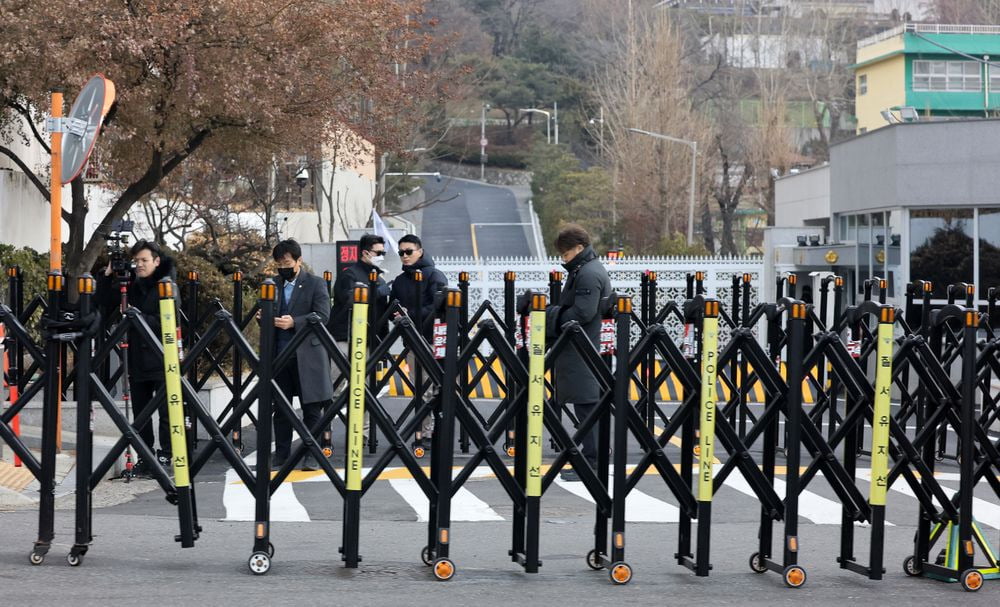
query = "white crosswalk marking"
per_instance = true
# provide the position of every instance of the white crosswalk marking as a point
(239, 503)
(464, 505)
(812, 506)
(985, 512)
(639, 507)
(467, 506)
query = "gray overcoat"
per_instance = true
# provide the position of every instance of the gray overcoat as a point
(587, 283)
(308, 296)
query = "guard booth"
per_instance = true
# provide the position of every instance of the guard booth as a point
(909, 201)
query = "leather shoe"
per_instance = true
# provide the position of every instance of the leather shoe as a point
(309, 463)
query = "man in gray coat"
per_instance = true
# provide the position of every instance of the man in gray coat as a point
(307, 374)
(587, 283)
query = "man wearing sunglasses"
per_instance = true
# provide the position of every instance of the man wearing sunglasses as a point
(371, 256)
(418, 299)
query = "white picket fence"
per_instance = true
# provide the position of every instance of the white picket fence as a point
(486, 276)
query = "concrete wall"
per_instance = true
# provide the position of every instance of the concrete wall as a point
(886, 89)
(922, 164)
(802, 197)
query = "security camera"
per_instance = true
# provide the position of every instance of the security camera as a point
(438, 177)
(302, 178)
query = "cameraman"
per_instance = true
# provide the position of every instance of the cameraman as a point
(145, 365)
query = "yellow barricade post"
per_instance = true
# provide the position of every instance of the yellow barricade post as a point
(355, 426)
(175, 411)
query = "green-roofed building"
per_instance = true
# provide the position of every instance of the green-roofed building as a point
(941, 71)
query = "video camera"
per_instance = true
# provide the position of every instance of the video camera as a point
(118, 248)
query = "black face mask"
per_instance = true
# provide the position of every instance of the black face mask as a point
(286, 274)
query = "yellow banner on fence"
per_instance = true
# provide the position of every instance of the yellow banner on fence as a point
(709, 397)
(880, 417)
(356, 404)
(536, 402)
(175, 402)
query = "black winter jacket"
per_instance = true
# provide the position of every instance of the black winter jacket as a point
(145, 362)
(343, 298)
(404, 290)
(587, 284)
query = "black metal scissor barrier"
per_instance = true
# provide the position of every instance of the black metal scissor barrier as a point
(698, 409)
(784, 399)
(183, 405)
(42, 469)
(359, 372)
(943, 402)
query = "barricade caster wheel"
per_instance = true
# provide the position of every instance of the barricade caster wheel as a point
(972, 580)
(794, 576)
(36, 558)
(444, 569)
(270, 550)
(511, 451)
(259, 563)
(74, 560)
(620, 573)
(427, 555)
(594, 560)
(910, 566)
(757, 563)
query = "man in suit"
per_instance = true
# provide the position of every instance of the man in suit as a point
(300, 294)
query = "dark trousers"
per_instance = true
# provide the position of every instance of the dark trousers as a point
(141, 392)
(288, 381)
(590, 438)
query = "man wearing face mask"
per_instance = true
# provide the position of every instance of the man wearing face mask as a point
(371, 256)
(307, 374)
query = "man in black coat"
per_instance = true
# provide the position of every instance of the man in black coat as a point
(145, 364)
(307, 374)
(371, 255)
(418, 300)
(587, 283)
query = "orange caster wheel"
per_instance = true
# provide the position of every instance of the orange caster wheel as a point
(444, 569)
(794, 576)
(620, 573)
(972, 580)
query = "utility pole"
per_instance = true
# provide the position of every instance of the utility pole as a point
(555, 118)
(482, 143)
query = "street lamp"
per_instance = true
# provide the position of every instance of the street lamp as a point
(380, 199)
(482, 143)
(600, 121)
(548, 121)
(694, 170)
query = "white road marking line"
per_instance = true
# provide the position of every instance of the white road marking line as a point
(464, 505)
(639, 507)
(240, 504)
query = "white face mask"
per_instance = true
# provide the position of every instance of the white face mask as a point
(378, 260)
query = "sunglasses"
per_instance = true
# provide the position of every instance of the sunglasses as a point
(378, 253)
(403, 252)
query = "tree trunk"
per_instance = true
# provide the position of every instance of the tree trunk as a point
(707, 232)
(663, 190)
(728, 242)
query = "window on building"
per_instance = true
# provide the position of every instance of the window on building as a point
(941, 247)
(862, 84)
(949, 76)
(989, 251)
(994, 78)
